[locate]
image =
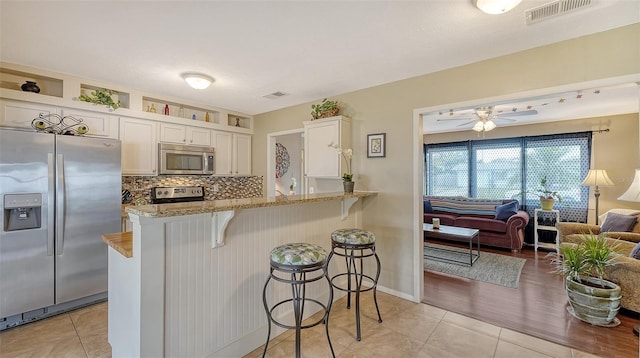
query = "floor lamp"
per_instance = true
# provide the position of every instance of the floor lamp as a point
(596, 178)
(633, 194)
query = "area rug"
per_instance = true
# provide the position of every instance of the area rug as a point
(497, 269)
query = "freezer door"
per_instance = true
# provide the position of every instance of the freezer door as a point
(26, 255)
(88, 182)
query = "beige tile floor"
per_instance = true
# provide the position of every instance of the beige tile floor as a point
(408, 330)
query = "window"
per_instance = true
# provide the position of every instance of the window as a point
(507, 168)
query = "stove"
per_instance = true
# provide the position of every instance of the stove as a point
(176, 194)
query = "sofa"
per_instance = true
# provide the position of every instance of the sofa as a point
(627, 273)
(500, 222)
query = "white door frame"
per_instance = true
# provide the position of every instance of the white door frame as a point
(271, 159)
(418, 157)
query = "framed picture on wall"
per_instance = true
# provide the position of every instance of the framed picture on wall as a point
(376, 145)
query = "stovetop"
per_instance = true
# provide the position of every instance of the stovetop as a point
(176, 194)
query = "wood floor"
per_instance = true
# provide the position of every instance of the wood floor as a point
(537, 307)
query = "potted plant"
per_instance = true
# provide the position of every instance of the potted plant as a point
(324, 109)
(592, 298)
(101, 96)
(347, 177)
(547, 197)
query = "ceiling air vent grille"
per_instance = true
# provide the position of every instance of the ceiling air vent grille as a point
(555, 8)
(275, 95)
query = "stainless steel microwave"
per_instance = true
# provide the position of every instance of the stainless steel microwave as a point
(185, 159)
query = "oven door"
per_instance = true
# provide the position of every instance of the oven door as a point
(185, 160)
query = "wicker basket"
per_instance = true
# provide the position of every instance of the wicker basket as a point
(329, 113)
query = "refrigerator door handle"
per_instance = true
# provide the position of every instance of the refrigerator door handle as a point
(60, 205)
(51, 180)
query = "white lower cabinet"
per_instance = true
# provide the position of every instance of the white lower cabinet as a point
(233, 153)
(139, 146)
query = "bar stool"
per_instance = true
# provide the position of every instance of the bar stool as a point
(355, 245)
(290, 264)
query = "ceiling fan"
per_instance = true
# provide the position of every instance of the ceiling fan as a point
(485, 116)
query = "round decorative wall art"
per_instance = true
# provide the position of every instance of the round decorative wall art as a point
(282, 160)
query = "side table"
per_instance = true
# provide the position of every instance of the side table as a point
(546, 215)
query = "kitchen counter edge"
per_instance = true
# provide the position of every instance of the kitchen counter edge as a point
(202, 207)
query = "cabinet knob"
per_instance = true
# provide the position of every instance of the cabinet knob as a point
(184, 140)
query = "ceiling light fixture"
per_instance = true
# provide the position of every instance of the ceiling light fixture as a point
(197, 80)
(484, 125)
(494, 7)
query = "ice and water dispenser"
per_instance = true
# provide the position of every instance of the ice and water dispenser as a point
(22, 211)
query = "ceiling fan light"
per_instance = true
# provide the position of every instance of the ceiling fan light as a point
(494, 7)
(489, 125)
(478, 127)
(197, 81)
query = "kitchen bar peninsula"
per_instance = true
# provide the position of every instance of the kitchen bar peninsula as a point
(193, 286)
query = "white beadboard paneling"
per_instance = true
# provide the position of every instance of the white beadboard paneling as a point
(213, 297)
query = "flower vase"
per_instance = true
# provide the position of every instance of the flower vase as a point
(348, 186)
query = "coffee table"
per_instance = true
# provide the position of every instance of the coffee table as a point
(453, 233)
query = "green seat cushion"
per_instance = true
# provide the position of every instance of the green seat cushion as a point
(298, 254)
(353, 237)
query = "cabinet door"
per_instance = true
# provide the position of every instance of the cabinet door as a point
(139, 146)
(223, 148)
(173, 133)
(322, 161)
(99, 124)
(199, 136)
(20, 114)
(242, 154)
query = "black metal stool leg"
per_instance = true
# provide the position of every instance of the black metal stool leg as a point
(266, 308)
(349, 261)
(375, 286)
(328, 310)
(358, 278)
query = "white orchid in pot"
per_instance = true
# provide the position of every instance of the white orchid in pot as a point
(347, 177)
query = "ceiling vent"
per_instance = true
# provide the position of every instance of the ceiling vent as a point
(275, 95)
(555, 8)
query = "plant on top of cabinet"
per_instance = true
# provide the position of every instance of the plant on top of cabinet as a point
(101, 96)
(324, 109)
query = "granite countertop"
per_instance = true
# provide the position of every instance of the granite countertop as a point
(201, 207)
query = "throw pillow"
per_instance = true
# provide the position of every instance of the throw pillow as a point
(635, 253)
(427, 207)
(505, 211)
(618, 223)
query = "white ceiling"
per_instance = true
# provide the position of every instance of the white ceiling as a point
(307, 49)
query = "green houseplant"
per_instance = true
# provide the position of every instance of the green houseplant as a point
(101, 96)
(592, 298)
(547, 197)
(325, 109)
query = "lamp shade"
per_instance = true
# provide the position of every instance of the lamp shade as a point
(633, 193)
(494, 7)
(597, 177)
(489, 125)
(197, 81)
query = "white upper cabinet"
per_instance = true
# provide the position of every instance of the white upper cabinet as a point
(16, 114)
(321, 159)
(139, 146)
(180, 134)
(233, 153)
(242, 154)
(100, 124)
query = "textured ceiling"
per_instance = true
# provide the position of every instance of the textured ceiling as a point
(307, 49)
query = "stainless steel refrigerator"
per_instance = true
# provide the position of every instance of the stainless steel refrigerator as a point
(59, 194)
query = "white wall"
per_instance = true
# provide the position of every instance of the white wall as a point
(294, 144)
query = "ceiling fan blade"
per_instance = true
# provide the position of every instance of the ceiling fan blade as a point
(505, 119)
(517, 114)
(464, 124)
(453, 119)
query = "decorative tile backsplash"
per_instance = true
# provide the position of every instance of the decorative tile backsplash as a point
(228, 187)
